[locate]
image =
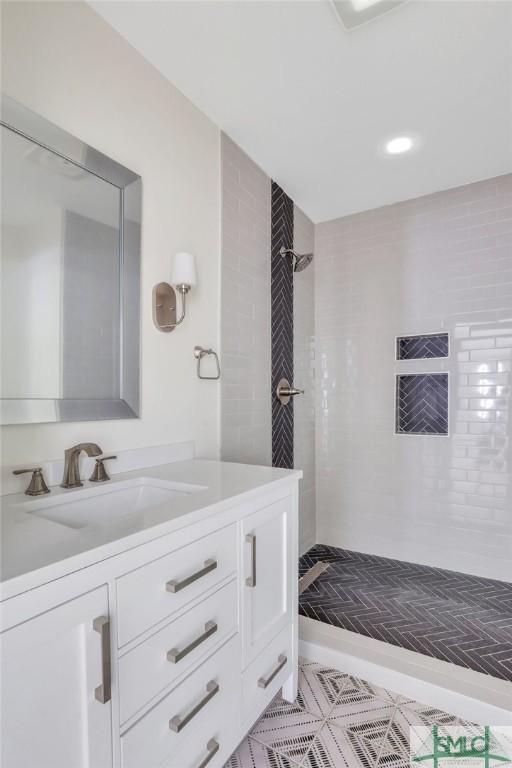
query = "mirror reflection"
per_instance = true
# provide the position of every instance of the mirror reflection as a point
(65, 287)
(60, 276)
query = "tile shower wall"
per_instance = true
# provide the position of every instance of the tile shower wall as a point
(437, 263)
(304, 378)
(246, 423)
(246, 356)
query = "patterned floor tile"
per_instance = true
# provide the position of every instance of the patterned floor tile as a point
(287, 729)
(395, 748)
(359, 709)
(335, 748)
(319, 688)
(369, 720)
(252, 754)
(368, 727)
(414, 713)
(393, 759)
(357, 690)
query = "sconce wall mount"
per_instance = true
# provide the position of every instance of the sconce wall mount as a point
(165, 313)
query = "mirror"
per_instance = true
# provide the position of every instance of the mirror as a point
(70, 269)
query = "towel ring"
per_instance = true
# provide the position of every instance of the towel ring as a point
(199, 353)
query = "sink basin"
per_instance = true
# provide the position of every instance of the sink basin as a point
(106, 504)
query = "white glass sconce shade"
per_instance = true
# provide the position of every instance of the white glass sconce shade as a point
(184, 269)
(183, 276)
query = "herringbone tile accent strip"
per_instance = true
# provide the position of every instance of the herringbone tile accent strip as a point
(455, 617)
(422, 403)
(282, 325)
(422, 347)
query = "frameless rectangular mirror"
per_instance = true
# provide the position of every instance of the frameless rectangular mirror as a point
(70, 269)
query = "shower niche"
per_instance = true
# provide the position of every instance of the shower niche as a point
(422, 398)
(422, 404)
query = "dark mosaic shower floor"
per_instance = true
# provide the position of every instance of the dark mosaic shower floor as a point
(463, 619)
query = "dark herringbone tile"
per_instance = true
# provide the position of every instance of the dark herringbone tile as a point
(455, 617)
(422, 347)
(422, 404)
(282, 325)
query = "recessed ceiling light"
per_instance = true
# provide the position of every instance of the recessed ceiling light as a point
(362, 5)
(399, 145)
(355, 12)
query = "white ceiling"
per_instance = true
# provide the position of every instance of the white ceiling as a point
(312, 103)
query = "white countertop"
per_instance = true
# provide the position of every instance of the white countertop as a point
(35, 550)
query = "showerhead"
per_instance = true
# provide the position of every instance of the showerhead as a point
(300, 260)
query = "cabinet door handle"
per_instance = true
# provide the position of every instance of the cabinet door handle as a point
(177, 723)
(264, 682)
(251, 580)
(174, 655)
(176, 586)
(103, 692)
(212, 749)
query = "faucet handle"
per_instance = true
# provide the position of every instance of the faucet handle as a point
(37, 485)
(100, 474)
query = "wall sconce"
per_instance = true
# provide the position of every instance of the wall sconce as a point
(183, 277)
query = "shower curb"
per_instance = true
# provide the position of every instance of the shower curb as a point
(471, 695)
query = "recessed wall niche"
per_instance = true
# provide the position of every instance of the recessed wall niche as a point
(423, 346)
(422, 403)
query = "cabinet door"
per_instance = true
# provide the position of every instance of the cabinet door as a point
(267, 572)
(55, 671)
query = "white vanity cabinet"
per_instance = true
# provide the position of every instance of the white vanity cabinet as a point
(268, 583)
(203, 633)
(56, 708)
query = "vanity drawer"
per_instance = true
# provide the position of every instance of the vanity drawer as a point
(155, 591)
(206, 705)
(153, 665)
(265, 676)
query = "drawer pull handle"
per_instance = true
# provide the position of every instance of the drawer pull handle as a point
(251, 580)
(212, 748)
(174, 655)
(176, 586)
(264, 682)
(103, 692)
(177, 723)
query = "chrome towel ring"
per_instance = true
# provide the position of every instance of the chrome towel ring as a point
(199, 353)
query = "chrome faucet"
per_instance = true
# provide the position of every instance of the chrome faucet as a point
(71, 477)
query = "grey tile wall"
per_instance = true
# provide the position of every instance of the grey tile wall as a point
(245, 309)
(246, 389)
(304, 378)
(90, 309)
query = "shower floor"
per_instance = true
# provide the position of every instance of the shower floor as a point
(455, 617)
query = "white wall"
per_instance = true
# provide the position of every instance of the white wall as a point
(438, 262)
(67, 64)
(304, 378)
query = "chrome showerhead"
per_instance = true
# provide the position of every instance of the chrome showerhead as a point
(300, 260)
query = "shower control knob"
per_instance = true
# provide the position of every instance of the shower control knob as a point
(285, 391)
